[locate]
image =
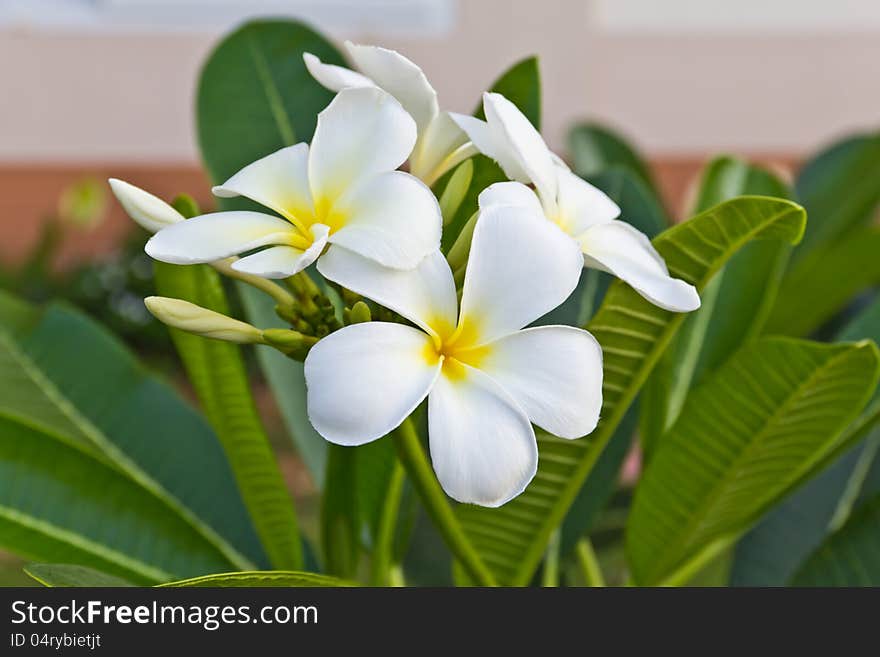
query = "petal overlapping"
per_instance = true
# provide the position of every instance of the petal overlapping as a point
(510, 193)
(392, 218)
(362, 132)
(333, 77)
(218, 235)
(581, 205)
(483, 447)
(279, 181)
(400, 77)
(554, 373)
(284, 261)
(365, 379)
(150, 212)
(524, 144)
(622, 250)
(521, 266)
(424, 295)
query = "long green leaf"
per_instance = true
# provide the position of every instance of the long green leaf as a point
(851, 556)
(256, 96)
(117, 411)
(820, 284)
(734, 306)
(60, 504)
(216, 370)
(287, 382)
(840, 188)
(633, 334)
(744, 439)
(264, 578)
(87, 391)
(69, 575)
(771, 552)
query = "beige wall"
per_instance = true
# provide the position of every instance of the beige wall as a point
(66, 96)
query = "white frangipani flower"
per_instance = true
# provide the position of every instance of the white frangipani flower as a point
(441, 144)
(342, 190)
(577, 207)
(486, 378)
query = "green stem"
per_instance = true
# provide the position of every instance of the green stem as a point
(282, 297)
(383, 553)
(550, 578)
(588, 563)
(412, 456)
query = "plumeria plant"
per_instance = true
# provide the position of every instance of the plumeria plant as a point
(457, 326)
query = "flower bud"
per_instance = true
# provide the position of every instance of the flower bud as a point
(359, 313)
(150, 212)
(455, 191)
(191, 318)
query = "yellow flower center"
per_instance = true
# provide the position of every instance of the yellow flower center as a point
(457, 349)
(304, 218)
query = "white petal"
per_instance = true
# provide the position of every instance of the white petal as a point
(619, 248)
(486, 142)
(581, 205)
(151, 212)
(362, 132)
(440, 147)
(284, 261)
(400, 77)
(483, 447)
(525, 145)
(510, 193)
(218, 235)
(334, 78)
(279, 181)
(424, 295)
(521, 266)
(392, 218)
(555, 375)
(365, 379)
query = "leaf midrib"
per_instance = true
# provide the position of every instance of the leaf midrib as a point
(757, 439)
(110, 455)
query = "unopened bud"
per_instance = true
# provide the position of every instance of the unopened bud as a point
(456, 189)
(191, 318)
(359, 313)
(151, 212)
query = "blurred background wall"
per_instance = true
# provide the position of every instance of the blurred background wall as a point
(107, 85)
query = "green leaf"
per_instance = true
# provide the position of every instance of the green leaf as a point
(287, 382)
(734, 306)
(340, 520)
(595, 148)
(256, 96)
(216, 370)
(521, 85)
(633, 334)
(771, 552)
(68, 575)
(59, 504)
(850, 556)
(840, 189)
(744, 439)
(820, 284)
(262, 578)
(87, 392)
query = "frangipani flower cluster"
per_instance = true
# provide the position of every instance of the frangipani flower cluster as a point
(374, 231)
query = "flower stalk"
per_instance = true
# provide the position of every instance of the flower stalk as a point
(412, 456)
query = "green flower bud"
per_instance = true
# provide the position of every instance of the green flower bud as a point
(191, 318)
